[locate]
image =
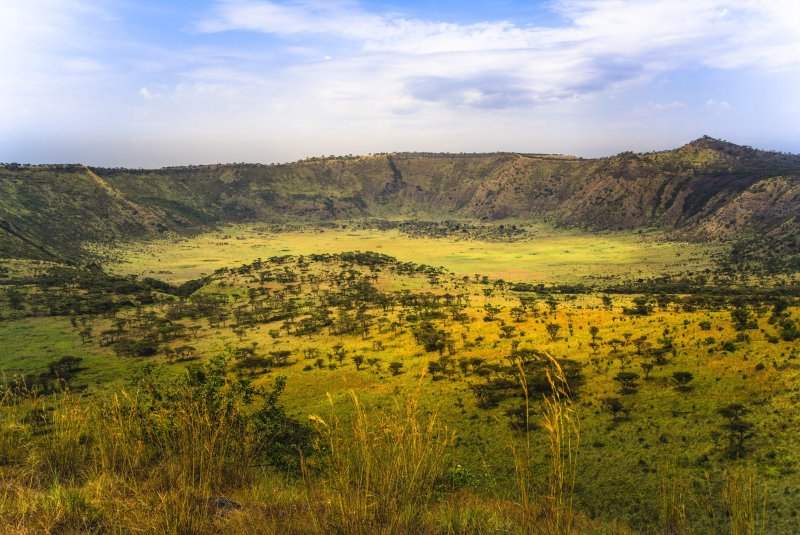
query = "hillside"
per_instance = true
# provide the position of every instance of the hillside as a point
(707, 189)
(46, 212)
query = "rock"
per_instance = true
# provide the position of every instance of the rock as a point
(223, 503)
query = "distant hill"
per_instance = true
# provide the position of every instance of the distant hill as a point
(707, 189)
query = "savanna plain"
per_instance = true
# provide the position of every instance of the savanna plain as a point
(341, 378)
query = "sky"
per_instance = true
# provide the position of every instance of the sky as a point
(151, 83)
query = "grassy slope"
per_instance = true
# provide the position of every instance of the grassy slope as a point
(668, 434)
(52, 210)
(29, 345)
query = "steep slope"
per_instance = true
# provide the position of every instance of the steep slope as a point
(706, 189)
(48, 211)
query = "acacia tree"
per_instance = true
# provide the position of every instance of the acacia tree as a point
(281, 358)
(518, 313)
(614, 406)
(491, 312)
(627, 381)
(434, 367)
(614, 343)
(593, 332)
(552, 330)
(507, 331)
(433, 339)
(682, 380)
(641, 344)
(743, 318)
(738, 429)
(647, 367)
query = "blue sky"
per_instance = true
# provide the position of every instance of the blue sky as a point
(148, 83)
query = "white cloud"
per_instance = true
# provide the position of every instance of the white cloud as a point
(81, 65)
(47, 52)
(669, 105)
(605, 46)
(652, 108)
(749, 29)
(718, 104)
(145, 93)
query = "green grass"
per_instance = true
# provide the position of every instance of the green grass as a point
(549, 256)
(30, 344)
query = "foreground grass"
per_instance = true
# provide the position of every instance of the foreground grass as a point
(187, 459)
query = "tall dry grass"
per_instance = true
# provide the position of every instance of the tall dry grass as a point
(119, 461)
(745, 503)
(673, 493)
(380, 472)
(154, 464)
(731, 502)
(558, 417)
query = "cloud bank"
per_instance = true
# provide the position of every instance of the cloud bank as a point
(261, 80)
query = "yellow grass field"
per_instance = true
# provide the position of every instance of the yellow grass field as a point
(548, 256)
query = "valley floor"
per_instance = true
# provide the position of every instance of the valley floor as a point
(539, 253)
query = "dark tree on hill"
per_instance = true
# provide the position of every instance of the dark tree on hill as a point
(518, 313)
(432, 338)
(507, 331)
(434, 368)
(593, 332)
(614, 406)
(395, 367)
(281, 358)
(738, 429)
(15, 298)
(682, 380)
(789, 331)
(65, 365)
(743, 318)
(491, 311)
(552, 330)
(663, 300)
(647, 367)
(627, 337)
(641, 344)
(519, 418)
(641, 307)
(627, 381)
(253, 363)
